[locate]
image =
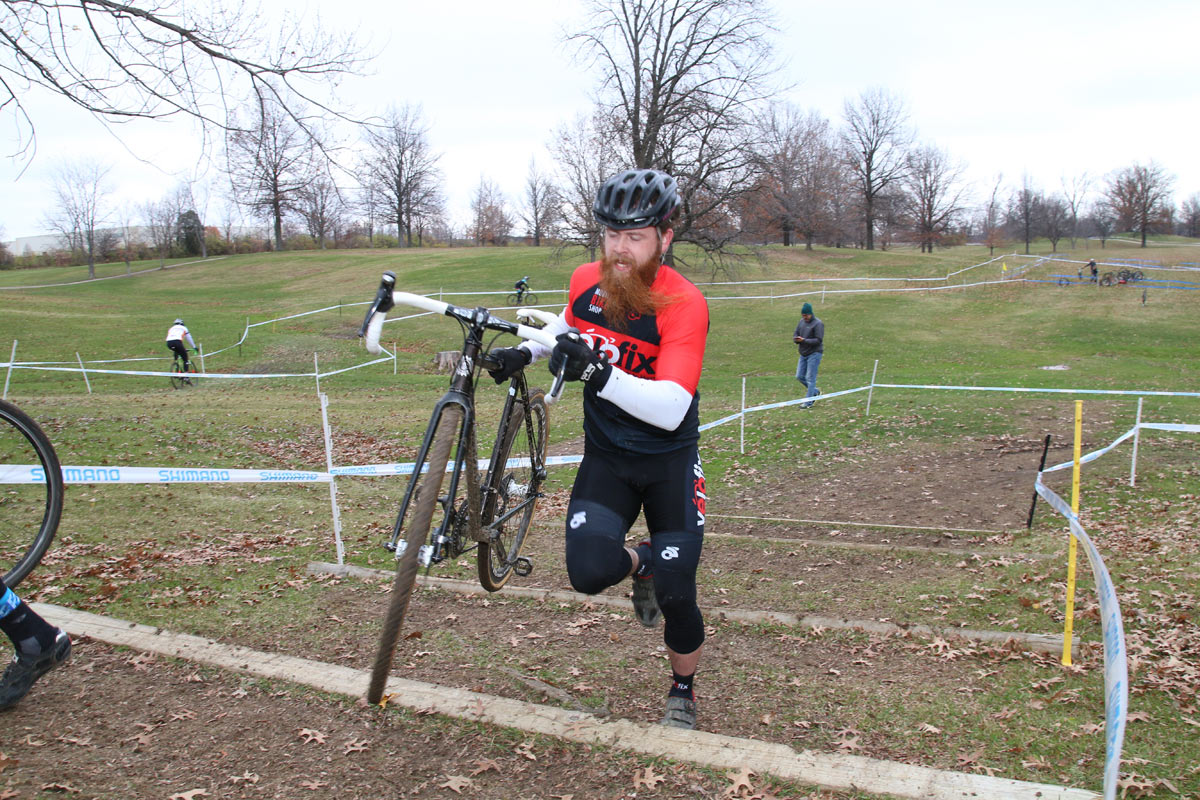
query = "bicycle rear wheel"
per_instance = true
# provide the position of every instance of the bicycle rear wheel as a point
(515, 476)
(512, 300)
(414, 522)
(31, 493)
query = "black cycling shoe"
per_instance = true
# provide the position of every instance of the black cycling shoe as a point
(681, 713)
(645, 604)
(21, 673)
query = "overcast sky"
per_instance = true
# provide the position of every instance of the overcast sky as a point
(1049, 88)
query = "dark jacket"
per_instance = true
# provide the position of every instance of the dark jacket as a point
(814, 336)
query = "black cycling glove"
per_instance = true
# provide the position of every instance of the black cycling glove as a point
(583, 363)
(511, 360)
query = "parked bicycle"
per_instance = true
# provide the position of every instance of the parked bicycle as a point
(183, 374)
(447, 508)
(527, 297)
(31, 493)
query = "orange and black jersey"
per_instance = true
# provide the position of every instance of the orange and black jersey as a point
(667, 345)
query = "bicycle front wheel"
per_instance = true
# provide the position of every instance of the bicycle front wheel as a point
(31, 493)
(531, 299)
(178, 376)
(413, 522)
(190, 378)
(518, 468)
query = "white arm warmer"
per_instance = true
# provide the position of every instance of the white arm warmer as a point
(661, 403)
(537, 350)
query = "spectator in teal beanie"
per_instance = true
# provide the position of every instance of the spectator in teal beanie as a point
(810, 337)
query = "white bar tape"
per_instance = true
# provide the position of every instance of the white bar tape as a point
(1116, 671)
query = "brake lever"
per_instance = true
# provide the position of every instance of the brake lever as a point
(383, 300)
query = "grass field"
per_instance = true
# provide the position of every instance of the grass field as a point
(1024, 718)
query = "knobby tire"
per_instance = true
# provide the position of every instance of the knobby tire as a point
(495, 558)
(414, 521)
(29, 513)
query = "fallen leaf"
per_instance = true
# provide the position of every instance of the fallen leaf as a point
(483, 765)
(456, 783)
(191, 794)
(647, 778)
(309, 736)
(246, 777)
(925, 727)
(355, 746)
(313, 785)
(741, 782)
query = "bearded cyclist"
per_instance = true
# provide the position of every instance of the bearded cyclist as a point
(175, 336)
(638, 350)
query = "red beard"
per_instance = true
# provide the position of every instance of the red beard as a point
(628, 293)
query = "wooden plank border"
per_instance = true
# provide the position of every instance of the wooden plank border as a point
(838, 772)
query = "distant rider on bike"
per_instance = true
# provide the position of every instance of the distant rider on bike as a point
(175, 336)
(521, 286)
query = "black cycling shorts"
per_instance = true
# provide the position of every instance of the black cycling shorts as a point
(609, 493)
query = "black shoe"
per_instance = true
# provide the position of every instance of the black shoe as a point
(681, 713)
(21, 673)
(645, 604)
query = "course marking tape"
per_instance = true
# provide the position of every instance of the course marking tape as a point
(25, 473)
(1116, 670)
(1134, 393)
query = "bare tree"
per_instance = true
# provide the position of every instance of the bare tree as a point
(121, 61)
(874, 141)
(798, 165)
(401, 170)
(1025, 211)
(680, 80)
(587, 152)
(1189, 216)
(320, 205)
(540, 209)
(1140, 197)
(1075, 193)
(933, 194)
(160, 218)
(270, 162)
(1103, 221)
(80, 188)
(1056, 219)
(491, 222)
(991, 221)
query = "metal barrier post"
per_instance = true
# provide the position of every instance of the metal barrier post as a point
(200, 347)
(84, 371)
(11, 359)
(1137, 432)
(743, 415)
(337, 516)
(871, 391)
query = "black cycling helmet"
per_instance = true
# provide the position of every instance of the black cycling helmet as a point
(637, 198)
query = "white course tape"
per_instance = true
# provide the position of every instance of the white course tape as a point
(1116, 671)
(18, 473)
(1136, 393)
(407, 468)
(1170, 426)
(1092, 456)
(204, 375)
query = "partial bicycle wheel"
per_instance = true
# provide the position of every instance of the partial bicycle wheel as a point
(515, 477)
(413, 522)
(512, 300)
(1064, 281)
(531, 299)
(192, 372)
(31, 493)
(178, 375)
(1107, 279)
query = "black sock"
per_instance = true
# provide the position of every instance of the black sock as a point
(30, 633)
(682, 686)
(645, 559)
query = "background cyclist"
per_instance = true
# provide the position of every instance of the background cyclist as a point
(521, 286)
(175, 336)
(639, 351)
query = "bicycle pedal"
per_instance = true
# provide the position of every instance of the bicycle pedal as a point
(523, 566)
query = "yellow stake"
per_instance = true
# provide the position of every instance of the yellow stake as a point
(1069, 629)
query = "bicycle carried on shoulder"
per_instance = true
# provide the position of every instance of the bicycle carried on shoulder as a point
(448, 508)
(31, 493)
(181, 375)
